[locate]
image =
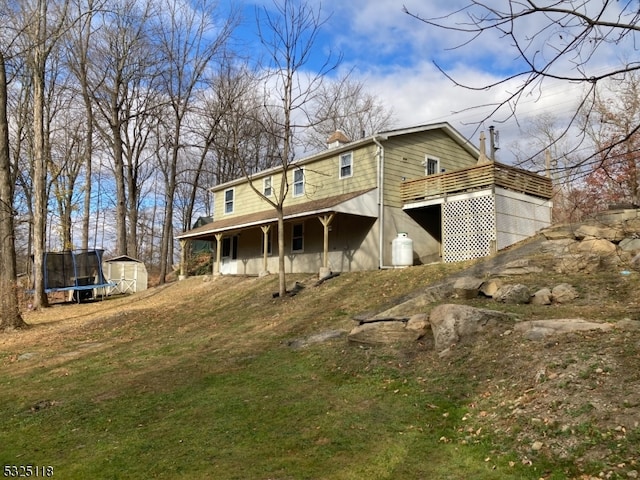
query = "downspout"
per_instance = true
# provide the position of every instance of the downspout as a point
(380, 168)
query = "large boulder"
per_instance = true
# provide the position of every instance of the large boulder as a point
(383, 332)
(490, 287)
(541, 329)
(577, 262)
(557, 232)
(467, 287)
(603, 232)
(541, 297)
(419, 302)
(597, 246)
(631, 226)
(452, 323)
(558, 247)
(563, 293)
(521, 266)
(630, 244)
(514, 294)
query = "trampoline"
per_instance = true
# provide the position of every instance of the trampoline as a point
(77, 271)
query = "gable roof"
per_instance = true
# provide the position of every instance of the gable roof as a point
(124, 258)
(361, 203)
(373, 139)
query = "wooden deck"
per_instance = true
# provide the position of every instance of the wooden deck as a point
(473, 178)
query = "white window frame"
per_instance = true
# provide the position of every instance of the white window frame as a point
(227, 202)
(267, 186)
(299, 182)
(431, 158)
(294, 237)
(348, 155)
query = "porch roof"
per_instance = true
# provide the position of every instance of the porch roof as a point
(362, 203)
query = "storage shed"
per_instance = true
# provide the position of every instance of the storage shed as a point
(128, 274)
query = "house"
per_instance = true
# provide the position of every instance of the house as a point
(348, 203)
(201, 246)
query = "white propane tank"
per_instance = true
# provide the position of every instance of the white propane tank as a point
(402, 251)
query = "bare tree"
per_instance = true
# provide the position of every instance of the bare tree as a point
(615, 177)
(560, 41)
(79, 46)
(10, 317)
(288, 34)
(44, 22)
(345, 105)
(556, 157)
(189, 40)
(122, 72)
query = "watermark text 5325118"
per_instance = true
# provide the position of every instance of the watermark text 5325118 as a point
(27, 471)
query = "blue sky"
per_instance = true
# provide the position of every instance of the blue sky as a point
(394, 55)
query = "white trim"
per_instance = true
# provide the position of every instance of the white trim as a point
(233, 201)
(293, 183)
(340, 165)
(428, 157)
(264, 186)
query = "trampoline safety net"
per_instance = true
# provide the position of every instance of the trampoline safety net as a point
(76, 268)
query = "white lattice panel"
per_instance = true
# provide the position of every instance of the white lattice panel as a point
(468, 228)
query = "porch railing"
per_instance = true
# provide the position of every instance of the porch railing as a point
(476, 178)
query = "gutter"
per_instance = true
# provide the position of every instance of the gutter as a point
(380, 165)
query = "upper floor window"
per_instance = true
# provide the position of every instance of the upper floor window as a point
(228, 200)
(431, 165)
(298, 182)
(346, 165)
(267, 188)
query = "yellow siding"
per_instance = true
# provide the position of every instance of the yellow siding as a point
(322, 180)
(404, 158)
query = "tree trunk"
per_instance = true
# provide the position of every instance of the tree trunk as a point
(282, 282)
(39, 182)
(118, 164)
(10, 317)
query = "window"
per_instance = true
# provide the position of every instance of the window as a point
(297, 237)
(346, 165)
(298, 182)
(267, 189)
(230, 247)
(228, 201)
(432, 166)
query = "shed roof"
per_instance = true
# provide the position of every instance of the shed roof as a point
(124, 258)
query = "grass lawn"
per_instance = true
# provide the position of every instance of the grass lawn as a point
(196, 380)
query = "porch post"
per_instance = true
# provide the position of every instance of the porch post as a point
(265, 247)
(216, 265)
(326, 221)
(184, 244)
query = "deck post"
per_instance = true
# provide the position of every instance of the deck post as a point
(183, 258)
(216, 265)
(265, 247)
(326, 221)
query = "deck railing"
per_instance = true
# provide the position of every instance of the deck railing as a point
(476, 178)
